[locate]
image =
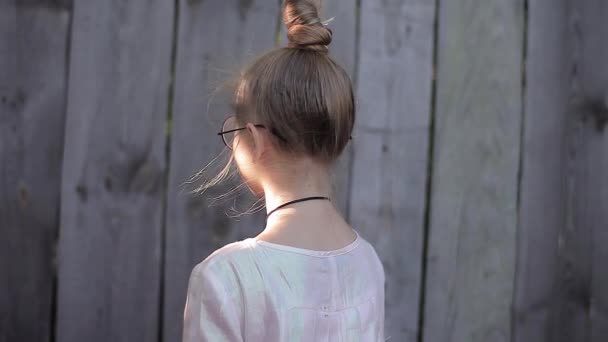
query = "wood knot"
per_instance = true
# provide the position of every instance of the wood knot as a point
(23, 195)
(133, 174)
(15, 100)
(147, 178)
(597, 111)
(244, 7)
(82, 192)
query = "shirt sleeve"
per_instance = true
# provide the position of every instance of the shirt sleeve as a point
(381, 302)
(381, 318)
(209, 314)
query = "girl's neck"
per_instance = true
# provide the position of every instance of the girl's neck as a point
(277, 192)
(293, 179)
(315, 225)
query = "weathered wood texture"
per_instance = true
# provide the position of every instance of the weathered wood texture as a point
(561, 281)
(215, 39)
(33, 60)
(390, 143)
(343, 49)
(113, 171)
(473, 218)
(497, 268)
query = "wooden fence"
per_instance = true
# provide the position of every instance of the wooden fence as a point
(478, 168)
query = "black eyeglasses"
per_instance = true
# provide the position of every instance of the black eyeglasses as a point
(229, 130)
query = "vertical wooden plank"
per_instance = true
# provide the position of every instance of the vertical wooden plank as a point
(561, 283)
(390, 144)
(113, 171)
(543, 190)
(584, 252)
(215, 39)
(33, 59)
(343, 49)
(473, 217)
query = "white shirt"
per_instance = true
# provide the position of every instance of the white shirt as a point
(253, 291)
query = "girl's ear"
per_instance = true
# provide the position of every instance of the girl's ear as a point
(259, 141)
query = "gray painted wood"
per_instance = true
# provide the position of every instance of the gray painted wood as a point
(33, 59)
(113, 172)
(389, 175)
(343, 49)
(583, 304)
(542, 186)
(561, 278)
(215, 39)
(595, 215)
(473, 213)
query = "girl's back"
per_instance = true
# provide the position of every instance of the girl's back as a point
(254, 290)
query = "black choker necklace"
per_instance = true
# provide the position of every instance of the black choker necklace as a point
(296, 201)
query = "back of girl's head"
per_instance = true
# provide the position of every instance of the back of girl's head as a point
(298, 92)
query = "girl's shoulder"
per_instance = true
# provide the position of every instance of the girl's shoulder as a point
(227, 257)
(222, 265)
(229, 252)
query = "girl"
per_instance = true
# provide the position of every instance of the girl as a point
(308, 276)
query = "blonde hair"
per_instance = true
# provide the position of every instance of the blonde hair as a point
(298, 92)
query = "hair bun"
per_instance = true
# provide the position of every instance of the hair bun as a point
(304, 28)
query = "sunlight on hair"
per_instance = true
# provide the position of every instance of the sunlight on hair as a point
(227, 172)
(255, 207)
(208, 178)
